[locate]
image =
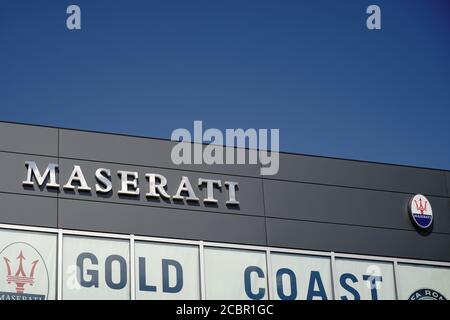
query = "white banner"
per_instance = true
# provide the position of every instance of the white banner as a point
(166, 271)
(27, 265)
(235, 274)
(364, 280)
(99, 268)
(299, 277)
(95, 268)
(419, 282)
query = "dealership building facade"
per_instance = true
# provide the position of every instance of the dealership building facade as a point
(89, 215)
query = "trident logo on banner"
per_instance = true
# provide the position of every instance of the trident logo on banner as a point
(20, 278)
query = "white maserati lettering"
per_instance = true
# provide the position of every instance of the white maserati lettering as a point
(128, 182)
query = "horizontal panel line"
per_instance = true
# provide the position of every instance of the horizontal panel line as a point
(30, 194)
(30, 154)
(258, 177)
(131, 204)
(350, 225)
(354, 187)
(215, 212)
(162, 207)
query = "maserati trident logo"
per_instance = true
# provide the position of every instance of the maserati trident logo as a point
(23, 275)
(422, 207)
(420, 211)
(20, 278)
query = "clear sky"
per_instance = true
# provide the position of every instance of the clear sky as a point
(310, 68)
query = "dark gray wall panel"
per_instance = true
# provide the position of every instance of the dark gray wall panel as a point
(137, 151)
(448, 183)
(28, 210)
(28, 139)
(354, 239)
(302, 201)
(249, 193)
(160, 222)
(13, 172)
(361, 174)
(330, 205)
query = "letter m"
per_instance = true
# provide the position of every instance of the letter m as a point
(240, 136)
(33, 171)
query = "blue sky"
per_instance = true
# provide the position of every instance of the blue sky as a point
(309, 68)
